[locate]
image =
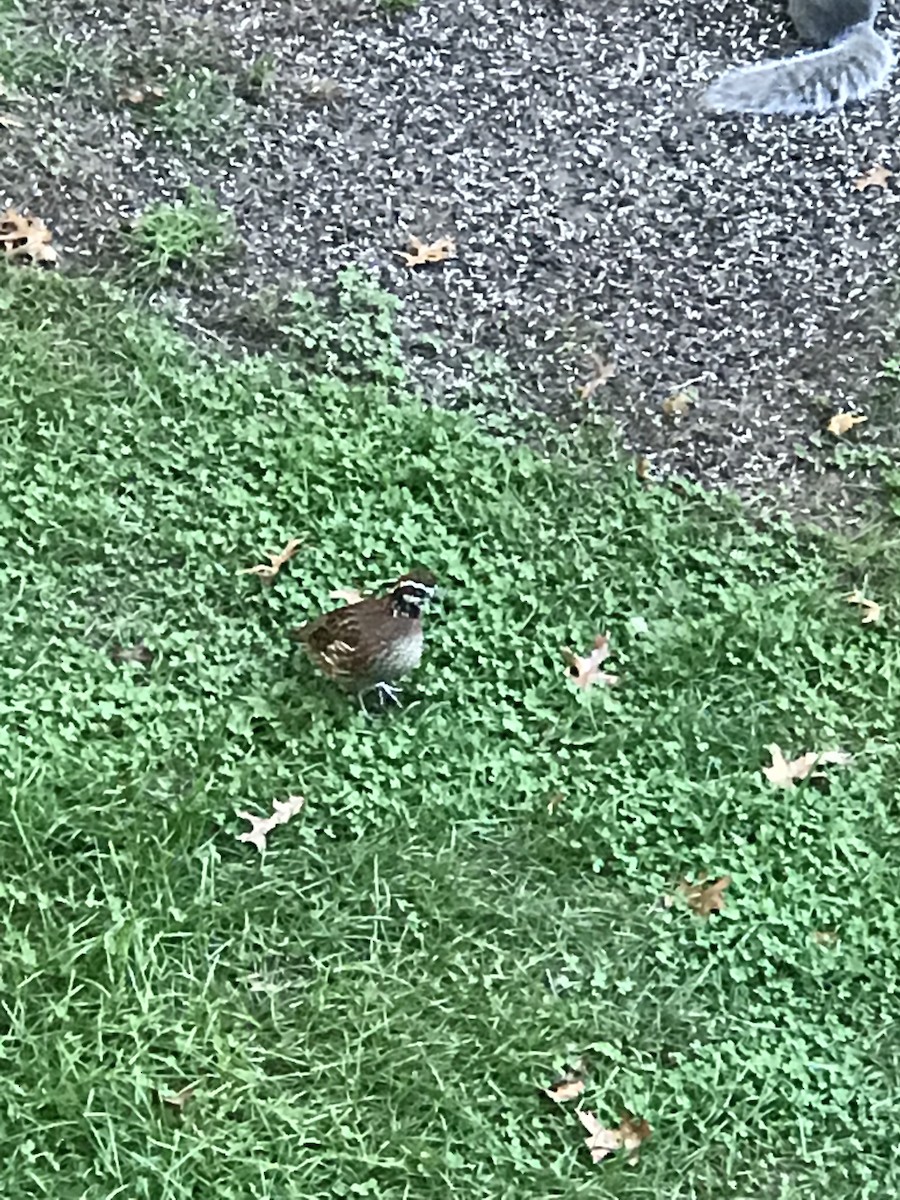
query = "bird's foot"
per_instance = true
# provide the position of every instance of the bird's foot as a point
(386, 692)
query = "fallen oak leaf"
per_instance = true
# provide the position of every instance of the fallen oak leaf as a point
(826, 937)
(427, 252)
(569, 1087)
(679, 402)
(872, 610)
(784, 773)
(26, 239)
(876, 176)
(643, 468)
(260, 827)
(137, 94)
(604, 370)
(634, 1134)
(179, 1099)
(602, 1141)
(351, 595)
(705, 898)
(554, 801)
(586, 670)
(843, 422)
(277, 558)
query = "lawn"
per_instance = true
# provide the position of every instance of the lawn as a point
(474, 892)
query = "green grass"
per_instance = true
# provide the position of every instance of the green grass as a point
(191, 236)
(367, 1009)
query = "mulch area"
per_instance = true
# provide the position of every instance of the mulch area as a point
(595, 206)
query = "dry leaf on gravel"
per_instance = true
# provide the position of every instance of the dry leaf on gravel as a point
(705, 898)
(643, 468)
(428, 252)
(26, 239)
(784, 773)
(179, 1099)
(679, 403)
(602, 1141)
(586, 670)
(351, 595)
(277, 559)
(138, 653)
(569, 1087)
(872, 610)
(260, 827)
(603, 369)
(876, 176)
(843, 422)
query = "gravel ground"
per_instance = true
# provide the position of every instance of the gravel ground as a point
(594, 205)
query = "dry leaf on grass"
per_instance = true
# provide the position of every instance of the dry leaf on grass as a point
(351, 595)
(602, 1141)
(876, 176)
(179, 1099)
(679, 403)
(705, 898)
(784, 773)
(139, 94)
(260, 827)
(568, 1087)
(586, 670)
(603, 369)
(843, 422)
(643, 468)
(554, 802)
(277, 559)
(826, 937)
(26, 239)
(138, 653)
(872, 610)
(428, 252)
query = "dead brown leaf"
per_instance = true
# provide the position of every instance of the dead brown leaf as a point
(277, 558)
(260, 827)
(784, 773)
(554, 802)
(602, 1141)
(643, 468)
(179, 1099)
(351, 595)
(679, 403)
(138, 653)
(843, 422)
(142, 94)
(428, 252)
(876, 176)
(26, 239)
(603, 370)
(569, 1087)
(705, 898)
(872, 610)
(826, 937)
(586, 670)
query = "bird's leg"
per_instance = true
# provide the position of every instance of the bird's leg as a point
(386, 692)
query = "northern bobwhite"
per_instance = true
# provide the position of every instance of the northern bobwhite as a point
(366, 645)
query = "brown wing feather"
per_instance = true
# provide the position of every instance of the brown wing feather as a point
(333, 639)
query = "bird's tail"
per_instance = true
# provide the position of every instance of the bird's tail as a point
(850, 69)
